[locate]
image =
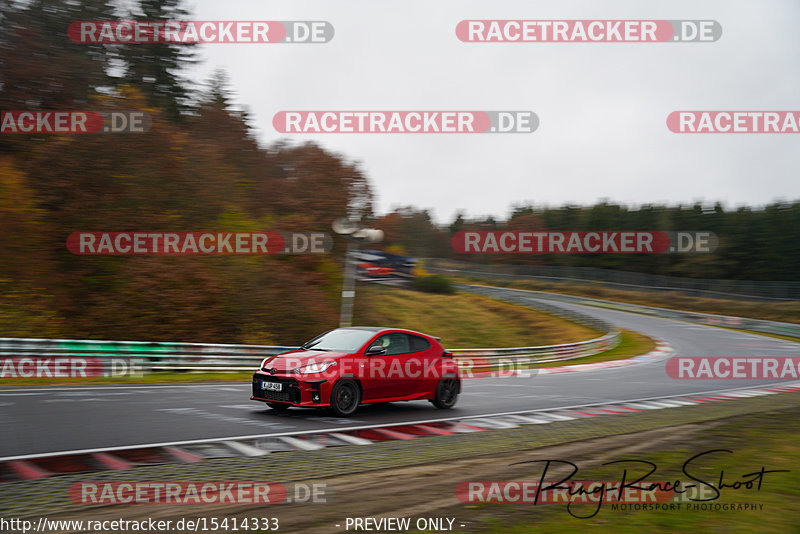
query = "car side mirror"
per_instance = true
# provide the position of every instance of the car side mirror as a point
(375, 350)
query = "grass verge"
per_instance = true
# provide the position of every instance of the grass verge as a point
(465, 320)
(768, 440)
(788, 312)
(631, 344)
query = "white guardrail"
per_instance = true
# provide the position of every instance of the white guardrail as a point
(120, 357)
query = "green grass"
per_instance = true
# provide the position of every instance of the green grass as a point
(631, 344)
(465, 320)
(766, 439)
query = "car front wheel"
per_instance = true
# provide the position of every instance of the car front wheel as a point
(345, 398)
(446, 393)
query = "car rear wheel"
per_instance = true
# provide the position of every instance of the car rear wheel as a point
(446, 393)
(345, 398)
(278, 407)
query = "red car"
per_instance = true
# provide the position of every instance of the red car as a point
(370, 269)
(345, 367)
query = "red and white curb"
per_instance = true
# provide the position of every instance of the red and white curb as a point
(662, 350)
(38, 466)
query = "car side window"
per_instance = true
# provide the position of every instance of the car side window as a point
(418, 344)
(396, 343)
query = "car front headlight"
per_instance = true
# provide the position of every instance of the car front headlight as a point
(266, 360)
(320, 367)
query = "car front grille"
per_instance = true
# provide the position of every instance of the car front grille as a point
(290, 392)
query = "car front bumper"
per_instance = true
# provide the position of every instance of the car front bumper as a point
(312, 392)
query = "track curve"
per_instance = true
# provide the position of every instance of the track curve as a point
(38, 420)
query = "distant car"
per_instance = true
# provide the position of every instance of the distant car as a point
(369, 269)
(346, 367)
(377, 264)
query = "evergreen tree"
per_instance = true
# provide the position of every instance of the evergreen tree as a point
(156, 68)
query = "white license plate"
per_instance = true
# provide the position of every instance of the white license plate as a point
(272, 386)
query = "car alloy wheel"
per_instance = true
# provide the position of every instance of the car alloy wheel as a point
(446, 393)
(345, 397)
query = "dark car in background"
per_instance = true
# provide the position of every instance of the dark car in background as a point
(380, 265)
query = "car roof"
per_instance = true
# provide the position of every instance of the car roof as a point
(386, 329)
(368, 328)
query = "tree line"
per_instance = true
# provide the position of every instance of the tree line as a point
(198, 168)
(201, 168)
(754, 243)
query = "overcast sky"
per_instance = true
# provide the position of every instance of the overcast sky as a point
(602, 106)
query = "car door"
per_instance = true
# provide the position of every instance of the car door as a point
(385, 374)
(426, 364)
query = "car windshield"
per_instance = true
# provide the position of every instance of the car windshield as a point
(340, 340)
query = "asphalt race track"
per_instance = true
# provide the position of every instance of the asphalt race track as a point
(42, 419)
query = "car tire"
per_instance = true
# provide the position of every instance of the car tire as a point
(446, 394)
(278, 407)
(345, 398)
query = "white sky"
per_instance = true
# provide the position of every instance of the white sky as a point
(602, 107)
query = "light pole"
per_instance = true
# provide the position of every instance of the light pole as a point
(354, 235)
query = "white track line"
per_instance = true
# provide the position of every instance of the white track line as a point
(541, 412)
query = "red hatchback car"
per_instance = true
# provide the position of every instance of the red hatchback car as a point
(345, 367)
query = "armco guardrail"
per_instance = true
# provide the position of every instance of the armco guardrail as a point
(121, 357)
(143, 355)
(542, 354)
(509, 358)
(742, 323)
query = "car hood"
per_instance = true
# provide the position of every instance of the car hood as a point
(298, 358)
